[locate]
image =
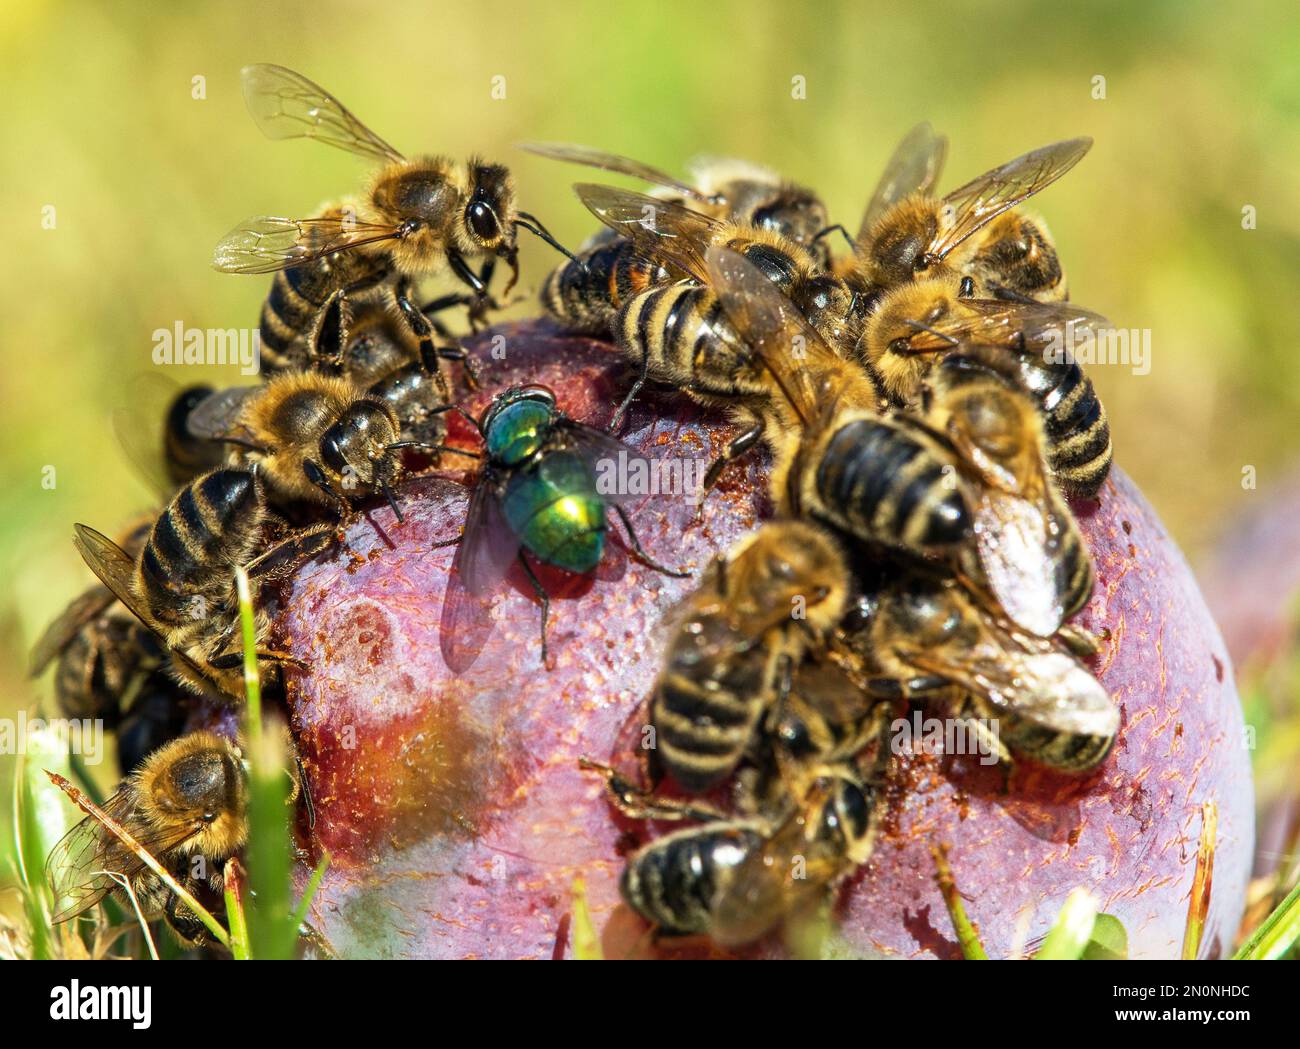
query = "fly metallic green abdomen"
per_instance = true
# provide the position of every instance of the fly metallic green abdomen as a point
(537, 495)
(555, 510)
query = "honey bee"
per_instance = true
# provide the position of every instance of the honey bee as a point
(1026, 547)
(418, 216)
(724, 188)
(965, 484)
(735, 880)
(931, 639)
(181, 586)
(906, 233)
(383, 360)
(585, 294)
(187, 805)
(313, 438)
(734, 643)
(102, 650)
(917, 323)
(679, 334)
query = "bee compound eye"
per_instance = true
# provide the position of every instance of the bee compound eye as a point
(482, 220)
(331, 449)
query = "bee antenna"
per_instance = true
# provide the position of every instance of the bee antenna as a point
(837, 228)
(392, 501)
(434, 448)
(937, 334)
(533, 225)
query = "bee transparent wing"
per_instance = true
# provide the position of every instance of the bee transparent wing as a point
(777, 882)
(149, 397)
(914, 168)
(487, 549)
(980, 201)
(116, 570)
(113, 566)
(595, 158)
(286, 104)
(1051, 689)
(217, 415)
(659, 229)
(85, 608)
(774, 329)
(1015, 535)
(79, 864)
(829, 690)
(265, 243)
(1028, 326)
(1058, 692)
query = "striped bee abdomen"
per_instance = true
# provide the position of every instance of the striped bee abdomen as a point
(1074, 420)
(888, 486)
(674, 880)
(212, 525)
(586, 297)
(708, 701)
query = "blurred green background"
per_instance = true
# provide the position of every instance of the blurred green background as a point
(1201, 117)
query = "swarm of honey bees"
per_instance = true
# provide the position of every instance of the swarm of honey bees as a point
(924, 444)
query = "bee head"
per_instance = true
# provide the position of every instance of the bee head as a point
(793, 212)
(196, 779)
(900, 242)
(356, 448)
(490, 210)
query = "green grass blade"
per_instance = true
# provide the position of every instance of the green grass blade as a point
(309, 893)
(273, 932)
(1202, 880)
(586, 945)
(1072, 932)
(234, 878)
(41, 817)
(1108, 942)
(1277, 934)
(971, 948)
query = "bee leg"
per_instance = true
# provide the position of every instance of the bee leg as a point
(459, 353)
(231, 660)
(637, 549)
(423, 331)
(542, 596)
(304, 789)
(289, 554)
(637, 386)
(433, 307)
(639, 804)
(740, 446)
(482, 301)
(317, 477)
(187, 925)
(1080, 642)
(331, 328)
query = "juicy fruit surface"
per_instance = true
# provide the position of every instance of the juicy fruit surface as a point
(458, 818)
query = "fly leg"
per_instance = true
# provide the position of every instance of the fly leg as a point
(639, 551)
(542, 596)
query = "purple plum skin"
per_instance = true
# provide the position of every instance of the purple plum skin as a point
(458, 819)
